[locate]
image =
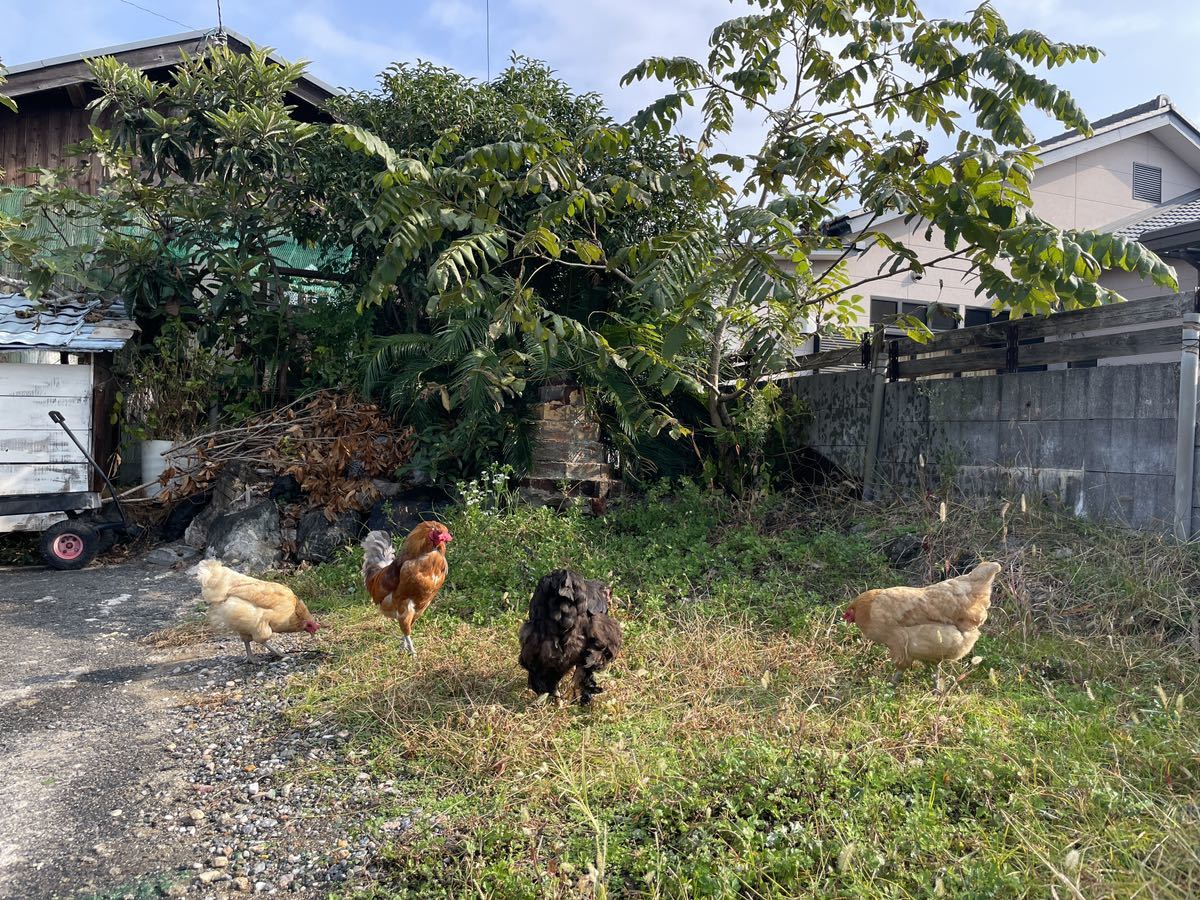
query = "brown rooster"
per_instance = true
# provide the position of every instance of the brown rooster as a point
(932, 624)
(403, 587)
(568, 627)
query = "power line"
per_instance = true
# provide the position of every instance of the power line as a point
(487, 30)
(156, 13)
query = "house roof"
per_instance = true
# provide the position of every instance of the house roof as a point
(73, 324)
(1183, 209)
(1119, 118)
(1158, 116)
(151, 55)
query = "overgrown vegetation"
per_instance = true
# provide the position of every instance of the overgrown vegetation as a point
(748, 743)
(486, 238)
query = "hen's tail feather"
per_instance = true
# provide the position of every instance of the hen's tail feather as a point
(208, 571)
(378, 552)
(985, 571)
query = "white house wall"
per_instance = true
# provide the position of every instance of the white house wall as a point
(1092, 190)
(1095, 189)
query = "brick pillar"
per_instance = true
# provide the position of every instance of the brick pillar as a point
(567, 450)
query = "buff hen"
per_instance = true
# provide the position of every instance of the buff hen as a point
(934, 624)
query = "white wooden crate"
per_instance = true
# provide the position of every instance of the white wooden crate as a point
(36, 456)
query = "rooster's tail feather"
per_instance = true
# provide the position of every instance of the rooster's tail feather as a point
(378, 552)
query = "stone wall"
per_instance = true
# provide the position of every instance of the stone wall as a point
(1102, 441)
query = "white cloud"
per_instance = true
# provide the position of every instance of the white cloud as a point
(346, 53)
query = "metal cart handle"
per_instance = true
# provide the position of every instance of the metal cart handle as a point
(59, 419)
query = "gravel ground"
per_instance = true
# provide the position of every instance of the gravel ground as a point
(140, 765)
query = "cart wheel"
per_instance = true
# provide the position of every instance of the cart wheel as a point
(69, 545)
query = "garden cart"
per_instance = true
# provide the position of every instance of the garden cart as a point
(74, 542)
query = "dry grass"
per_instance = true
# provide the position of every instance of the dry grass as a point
(747, 743)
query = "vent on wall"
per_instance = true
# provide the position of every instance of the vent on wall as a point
(1147, 183)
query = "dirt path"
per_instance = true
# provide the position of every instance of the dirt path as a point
(123, 765)
(83, 711)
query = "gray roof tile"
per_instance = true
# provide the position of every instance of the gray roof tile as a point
(1181, 210)
(74, 324)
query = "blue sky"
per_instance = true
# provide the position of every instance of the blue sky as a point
(1150, 45)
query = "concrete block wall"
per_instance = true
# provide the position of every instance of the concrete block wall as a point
(841, 407)
(1102, 441)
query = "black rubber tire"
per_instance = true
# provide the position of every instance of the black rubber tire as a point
(88, 544)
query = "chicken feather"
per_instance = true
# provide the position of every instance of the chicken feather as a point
(933, 624)
(253, 609)
(404, 587)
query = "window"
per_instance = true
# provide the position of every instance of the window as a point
(938, 318)
(883, 310)
(976, 316)
(1147, 183)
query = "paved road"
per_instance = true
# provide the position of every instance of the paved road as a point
(85, 714)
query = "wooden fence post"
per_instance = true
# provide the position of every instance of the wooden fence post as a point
(878, 386)
(1185, 442)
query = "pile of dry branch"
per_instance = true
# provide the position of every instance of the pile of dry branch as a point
(332, 444)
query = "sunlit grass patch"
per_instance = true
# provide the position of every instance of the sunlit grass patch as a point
(747, 742)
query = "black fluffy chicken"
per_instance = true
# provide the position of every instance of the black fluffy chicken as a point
(568, 627)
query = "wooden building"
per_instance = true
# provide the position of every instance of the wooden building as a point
(52, 97)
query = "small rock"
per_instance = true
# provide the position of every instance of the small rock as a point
(208, 876)
(904, 550)
(219, 862)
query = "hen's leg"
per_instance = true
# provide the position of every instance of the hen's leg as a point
(408, 645)
(249, 655)
(937, 678)
(895, 679)
(275, 653)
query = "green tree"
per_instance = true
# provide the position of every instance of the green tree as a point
(462, 171)
(848, 91)
(205, 176)
(6, 101)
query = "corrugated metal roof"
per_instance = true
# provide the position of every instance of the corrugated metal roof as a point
(76, 324)
(193, 41)
(1180, 211)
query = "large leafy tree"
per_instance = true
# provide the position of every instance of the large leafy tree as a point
(462, 173)
(848, 91)
(207, 174)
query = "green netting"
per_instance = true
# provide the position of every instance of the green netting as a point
(289, 254)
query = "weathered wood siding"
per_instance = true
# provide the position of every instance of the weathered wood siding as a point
(39, 136)
(35, 454)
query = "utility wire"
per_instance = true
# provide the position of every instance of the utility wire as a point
(487, 30)
(156, 13)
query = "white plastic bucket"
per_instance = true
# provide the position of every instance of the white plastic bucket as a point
(154, 464)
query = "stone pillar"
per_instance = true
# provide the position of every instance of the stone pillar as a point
(568, 458)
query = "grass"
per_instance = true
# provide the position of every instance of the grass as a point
(748, 743)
